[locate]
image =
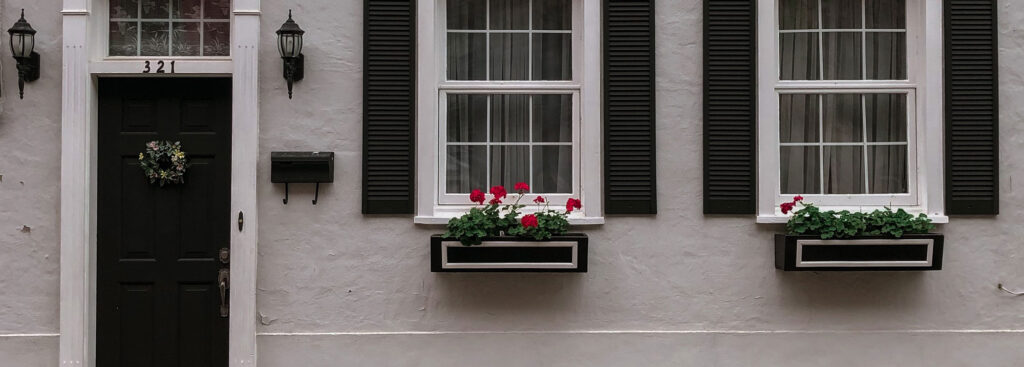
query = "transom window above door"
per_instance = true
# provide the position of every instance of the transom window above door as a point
(508, 108)
(169, 28)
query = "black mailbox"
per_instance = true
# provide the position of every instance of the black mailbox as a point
(301, 167)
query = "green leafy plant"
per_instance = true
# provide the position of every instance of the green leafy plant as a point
(810, 220)
(497, 219)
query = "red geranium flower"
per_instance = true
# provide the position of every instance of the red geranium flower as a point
(529, 220)
(787, 207)
(495, 201)
(477, 196)
(572, 204)
(798, 198)
(498, 192)
(522, 187)
(539, 200)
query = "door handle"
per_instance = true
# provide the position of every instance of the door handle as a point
(223, 282)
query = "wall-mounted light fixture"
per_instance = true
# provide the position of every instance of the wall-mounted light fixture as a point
(289, 44)
(23, 41)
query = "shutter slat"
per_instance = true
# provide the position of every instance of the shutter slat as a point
(972, 107)
(388, 106)
(730, 52)
(629, 114)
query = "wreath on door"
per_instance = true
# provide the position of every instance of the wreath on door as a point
(164, 162)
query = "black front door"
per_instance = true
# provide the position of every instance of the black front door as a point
(158, 294)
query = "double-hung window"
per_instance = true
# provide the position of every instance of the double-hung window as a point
(510, 86)
(842, 116)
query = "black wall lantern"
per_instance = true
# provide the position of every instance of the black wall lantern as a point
(23, 41)
(289, 44)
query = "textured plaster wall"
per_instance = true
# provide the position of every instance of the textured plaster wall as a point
(327, 268)
(354, 286)
(30, 182)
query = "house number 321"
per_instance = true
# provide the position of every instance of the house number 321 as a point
(148, 67)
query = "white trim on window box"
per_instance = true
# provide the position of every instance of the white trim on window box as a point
(925, 109)
(431, 208)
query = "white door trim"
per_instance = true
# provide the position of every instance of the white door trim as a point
(82, 63)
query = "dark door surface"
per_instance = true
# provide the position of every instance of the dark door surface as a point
(158, 295)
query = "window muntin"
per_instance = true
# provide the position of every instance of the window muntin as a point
(844, 143)
(169, 28)
(509, 101)
(846, 102)
(842, 40)
(509, 40)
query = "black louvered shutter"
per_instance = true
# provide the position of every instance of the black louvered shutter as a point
(730, 108)
(629, 158)
(972, 107)
(389, 62)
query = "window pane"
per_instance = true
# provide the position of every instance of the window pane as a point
(510, 14)
(467, 58)
(155, 38)
(552, 169)
(886, 56)
(552, 56)
(886, 117)
(798, 14)
(510, 118)
(467, 117)
(216, 9)
(510, 55)
(467, 169)
(124, 9)
(842, 55)
(844, 169)
(887, 169)
(552, 14)
(800, 57)
(552, 118)
(800, 170)
(509, 165)
(798, 118)
(885, 14)
(124, 37)
(217, 39)
(186, 9)
(185, 41)
(467, 14)
(155, 9)
(841, 14)
(842, 118)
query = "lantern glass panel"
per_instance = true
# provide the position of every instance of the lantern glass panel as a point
(290, 45)
(22, 44)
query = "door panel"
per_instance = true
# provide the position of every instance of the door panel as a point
(158, 298)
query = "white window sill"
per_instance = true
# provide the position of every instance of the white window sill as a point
(780, 218)
(443, 219)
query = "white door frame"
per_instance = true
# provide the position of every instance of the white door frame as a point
(83, 62)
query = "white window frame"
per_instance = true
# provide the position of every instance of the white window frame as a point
(433, 206)
(925, 115)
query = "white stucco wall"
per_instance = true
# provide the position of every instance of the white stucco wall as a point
(336, 287)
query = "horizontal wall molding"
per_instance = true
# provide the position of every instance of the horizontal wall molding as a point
(40, 335)
(651, 332)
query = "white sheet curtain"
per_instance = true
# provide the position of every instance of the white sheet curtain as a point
(812, 124)
(495, 120)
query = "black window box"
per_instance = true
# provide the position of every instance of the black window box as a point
(564, 254)
(866, 253)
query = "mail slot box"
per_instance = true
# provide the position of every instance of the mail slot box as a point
(301, 167)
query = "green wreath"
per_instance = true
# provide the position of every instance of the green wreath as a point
(164, 161)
